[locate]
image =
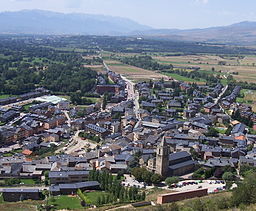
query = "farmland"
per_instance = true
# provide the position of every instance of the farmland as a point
(223, 65)
(131, 72)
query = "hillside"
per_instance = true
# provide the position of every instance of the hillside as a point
(239, 33)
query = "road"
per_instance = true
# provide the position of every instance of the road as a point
(132, 94)
(216, 100)
(68, 118)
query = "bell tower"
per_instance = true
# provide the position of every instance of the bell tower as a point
(162, 158)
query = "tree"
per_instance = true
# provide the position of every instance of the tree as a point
(146, 176)
(212, 132)
(104, 103)
(229, 176)
(171, 180)
(245, 193)
(156, 178)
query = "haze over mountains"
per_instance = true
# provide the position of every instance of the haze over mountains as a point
(46, 22)
(239, 33)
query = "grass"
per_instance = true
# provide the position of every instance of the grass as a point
(66, 202)
(221, 130)
(26, 107)
(11, 153)
(94, 99)
(94, 195)
(6, 96)
(183, 78)
(19, 206)
(28, 181)
(249, 97)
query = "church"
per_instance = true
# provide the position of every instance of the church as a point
(170, 164)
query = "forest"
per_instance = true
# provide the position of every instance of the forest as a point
(145, 62)
(26, 63)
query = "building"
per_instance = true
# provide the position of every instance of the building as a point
(58, 177)
(178, 196)
(94, 129)
(66, 189)
(101, 89)
(174, 164)
(162, 158)
(13, 195)
(64, 105)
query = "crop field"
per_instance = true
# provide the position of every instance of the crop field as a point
(134, 73)
(97, 68)
(245, 66)
(249, 97)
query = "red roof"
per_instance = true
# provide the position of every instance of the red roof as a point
(27, 152)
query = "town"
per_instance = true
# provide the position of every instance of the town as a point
(154, 133)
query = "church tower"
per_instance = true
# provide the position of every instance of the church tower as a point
(162, 158)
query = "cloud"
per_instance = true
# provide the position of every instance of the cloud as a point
(202, 1)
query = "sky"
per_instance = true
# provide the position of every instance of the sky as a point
(182, 14)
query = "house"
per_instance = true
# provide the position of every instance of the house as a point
(9, 115)
(227, 140)
(209, 106)
(189, 113)
(174, 104)
(63, 105)
(238, 128)
(115, 168)
(148, 105)
(19, 194)
(58, 177)
(101, 89)
(96, 130)
(171, 112)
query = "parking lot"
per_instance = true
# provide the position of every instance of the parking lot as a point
(211, 185)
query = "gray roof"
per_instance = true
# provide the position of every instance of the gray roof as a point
(18, 190)
(178, 155)
(180, 165)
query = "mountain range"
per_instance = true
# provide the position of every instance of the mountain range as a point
(238, 33)
(46, 22)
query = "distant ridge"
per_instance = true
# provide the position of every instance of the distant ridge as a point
(238, 33)
(54, 23)
(46, 22)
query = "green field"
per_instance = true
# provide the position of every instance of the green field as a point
(182, 78)
(6, 96)
(66, 202)
(248, 97)
(93, 196)
(28, 181)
